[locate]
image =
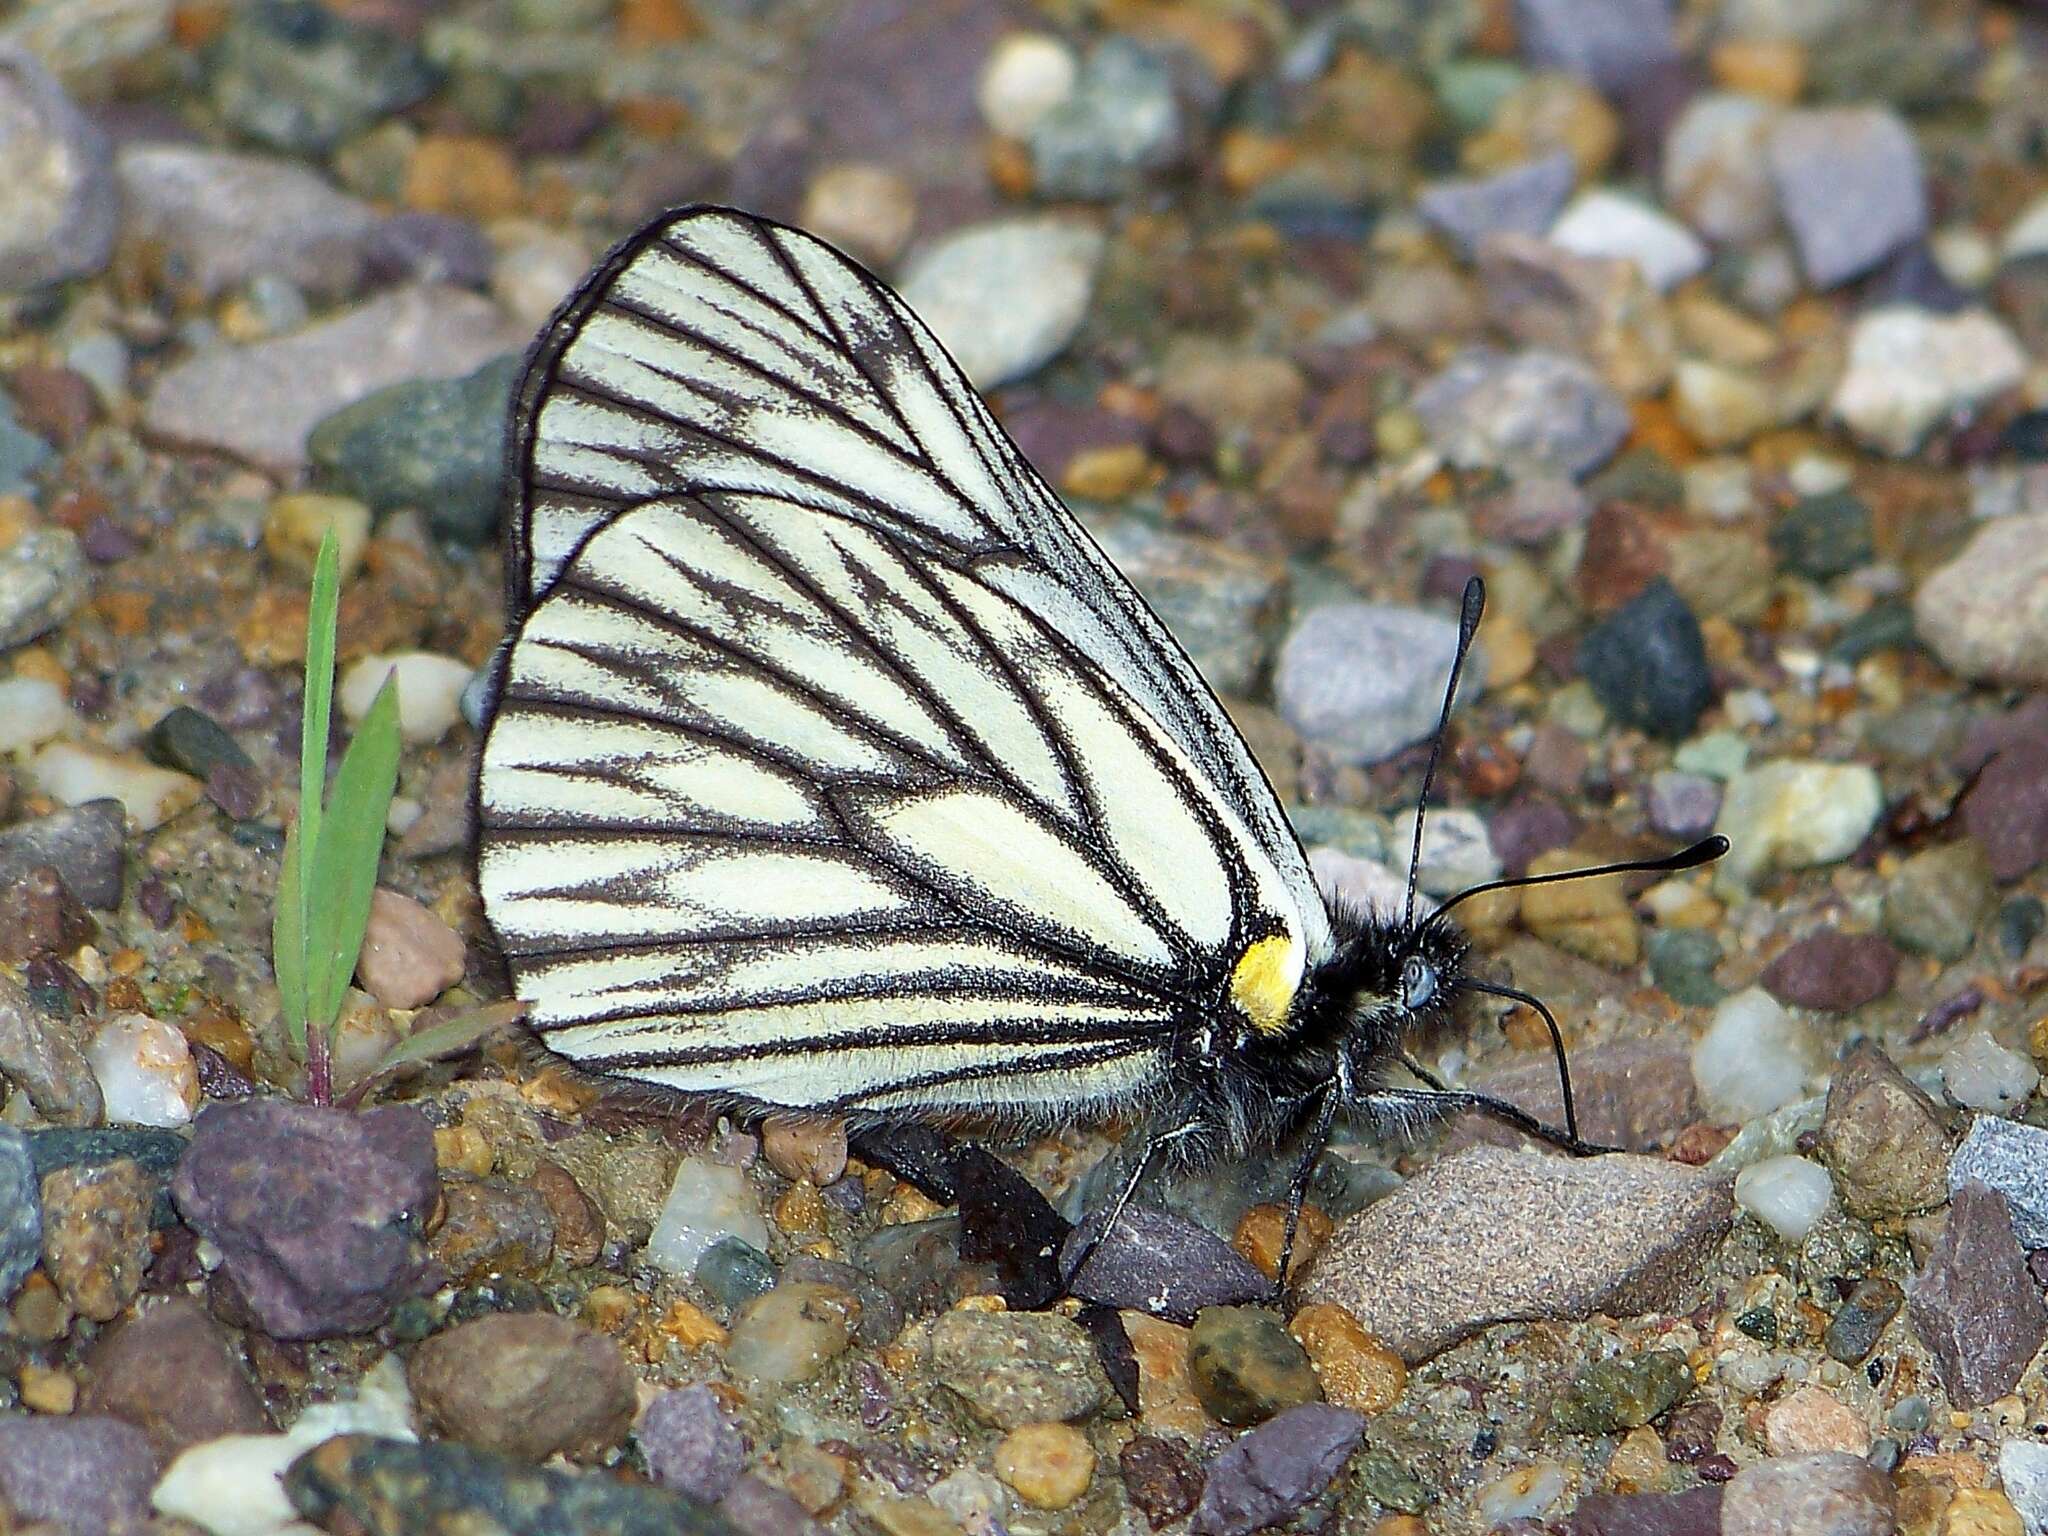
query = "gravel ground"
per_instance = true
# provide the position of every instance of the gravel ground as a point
(1713, 335)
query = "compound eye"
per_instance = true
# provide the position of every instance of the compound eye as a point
(1418, 983)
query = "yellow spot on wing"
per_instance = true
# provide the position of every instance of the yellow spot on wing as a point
(1265, 979)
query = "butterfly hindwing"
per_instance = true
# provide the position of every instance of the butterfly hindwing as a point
(832, 762)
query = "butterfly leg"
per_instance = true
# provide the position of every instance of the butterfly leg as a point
(1093, 1240)
(1297, 1187)
(1408, 1109)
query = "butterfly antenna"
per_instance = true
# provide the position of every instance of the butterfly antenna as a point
(1564, 1068)
(1469, 611)
(1705, 851)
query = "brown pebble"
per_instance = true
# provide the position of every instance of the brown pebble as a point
(409, 956)
(1048, 1465)
(1357, 1370)
(465, 177)
(45, 1389)
(524, 1384)
(96, 1234)
(491, 1227)
(173, 1373)
(1262, 1229)
(805, 1147)
(40, 916)
(579, 1223)
(1832, 971)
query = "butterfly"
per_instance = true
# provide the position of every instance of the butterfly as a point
(831, 767)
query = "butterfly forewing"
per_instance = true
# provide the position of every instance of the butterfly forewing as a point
(832, 763)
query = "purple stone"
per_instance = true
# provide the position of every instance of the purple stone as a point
(691, 1443)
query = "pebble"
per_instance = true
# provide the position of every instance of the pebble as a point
(2023, 1470)
(1810, 1420)
(313, 1209)
(1364, 680)
(533, 269)
(691, 1444)
(1975, 1306)
(1613, 44)
(734, 1272)
(429, 691)
(1233, 390)
(1607, 224)
(1715, 175)
(214, 221)
(1161, 1480)
(296, 524)
(1786, 1194)
(62, 204)
(303, 81)
(792, 1333)
(42, 1061)
(1830, 1493)
(1268, 1474)
(805, 1147)
(85, 1475)
(175, 1373)
(21, 1212)
(1218, 602)
(866, 210)
(526, 1385)
(1981, 1074)
(1246, 1367)
(1681, 805)
(1635, 1094)
(1004, 298)
(43, 581)
(1355, 1369)
(2005, 810)
(490, 1228)
(1048, 1465)
(1018, 1368)
(38, 916)
(1910, 370)
(1832, 971)
(96, 1226)
(1120, 123)
(194, 743)
(368, 1483)
(1752, 1059)
(706, 1201)
(1530, 412)
(1588, 918)
(1154, 1261)
(76, 775)
(1883, 1138)
(1939, 899)
(1682, 963)
(1647, 663)
(145, 1070)
(1791, 813)
(1722, 407)
(32, 710)
(1851, 188)
(1026, 76)
(1623, 1393)
(1822, 537)
(261, 402)
(1522, 200)
(1695, 1512)
(1487, 1235)
(410, 956)
(1853, 1332)
(1985, 612)
(2011, 1158)
(435, 444)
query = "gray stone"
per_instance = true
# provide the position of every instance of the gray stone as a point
(1158, 1262)
(217, 220)
(1220, 602)
(1939, 900)
(1976, 1306)
(1522, 200)
(1984, 612)
(82, 843)
(1851, 186)
(22, 453)
(2023, 1470)
(21, 1213)
(87, 1476)
(1611, 43)
(1715, 173)
(1633, 1094)
(1005, 297)
(2012, 1158)
(261, 402)
(1829, 1494)
(1489, 1235)
(37, 1056)
(1364, 680)
(1016, 1368)
(1270, 1473)
(43, 580)
(1528, 412)
(58, 200)
(691, 1443)
(435, 444)
(1120, 123)
(296, 76)
(1682, 805)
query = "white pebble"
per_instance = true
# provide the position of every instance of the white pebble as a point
(1786, 1194)
(1981, 1074)
(73, 775)
(707, 1201)
(429, 691)
(1522, 1494)
(32, 710)
(145, 1071)
(1457, 849)
(1026, 76)
(1364, 884)
(1794, 814)
(1909, 370)
(1006, 296)
(534, 270)
(2023, 1469)
(1603, 223)
(1752, 1058)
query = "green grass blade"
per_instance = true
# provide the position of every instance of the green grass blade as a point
(344, 866)
(320, 627)
(288, 942)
